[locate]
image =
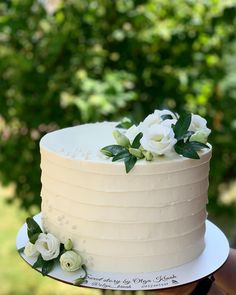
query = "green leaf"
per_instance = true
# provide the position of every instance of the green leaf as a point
(39, 262)
(186, 149)
(32, 227)
(106, 152)
(136, 142)
(129, 163)
(121, 155)
(80, 280)
(21, 250)
(181, 127)
(166, 117)
(113, 149)
(47, 266)
(34, 238)
(196, 145)
(126, 123)
(62, 249)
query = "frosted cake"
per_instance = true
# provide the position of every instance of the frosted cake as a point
(149, 219)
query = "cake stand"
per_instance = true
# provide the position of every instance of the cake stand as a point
(211, 259)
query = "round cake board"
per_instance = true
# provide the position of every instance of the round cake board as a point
(211, 259)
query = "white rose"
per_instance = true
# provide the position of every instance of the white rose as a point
(199, 124)
(70, 261)
(30, 250)
(158, 139)
(48, 246)
(169, 122)
(155, 118)
(132, 132)
(152, 119)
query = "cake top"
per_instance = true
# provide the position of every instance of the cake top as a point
(162, 136)
(81, 142)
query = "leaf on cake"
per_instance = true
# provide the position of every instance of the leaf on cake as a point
(112, 150)
(181, 127)
(136, 142)
(122, 155)
(129, 163)
(186, 149)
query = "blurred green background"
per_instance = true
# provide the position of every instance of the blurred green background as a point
(64, 63)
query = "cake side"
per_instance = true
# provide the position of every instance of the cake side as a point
(150, 219)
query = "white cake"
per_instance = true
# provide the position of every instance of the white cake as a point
(150, 219)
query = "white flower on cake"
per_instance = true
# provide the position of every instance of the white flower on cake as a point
(155, 118)
(132, 132)
(198, 124)
(30, 250)
(199, 127)
(160, 133)
(169, 122)
(48, 246)
(158, 138)
(70, 261)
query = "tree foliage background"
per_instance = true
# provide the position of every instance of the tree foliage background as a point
(77, 61)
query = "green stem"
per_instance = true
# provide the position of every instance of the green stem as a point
(80, 280)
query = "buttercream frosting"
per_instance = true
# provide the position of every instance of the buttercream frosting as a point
(150, 219)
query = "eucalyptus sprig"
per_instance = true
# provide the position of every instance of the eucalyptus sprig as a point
(184, 145)
(124, 150)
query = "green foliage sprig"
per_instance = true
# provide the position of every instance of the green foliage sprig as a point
(124, 150)
(184, 146)
(33, 232)
(80, 280)
(33, 229)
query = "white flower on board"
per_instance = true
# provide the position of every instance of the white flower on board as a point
(70, 261)
(30, 250)
(48, 246)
